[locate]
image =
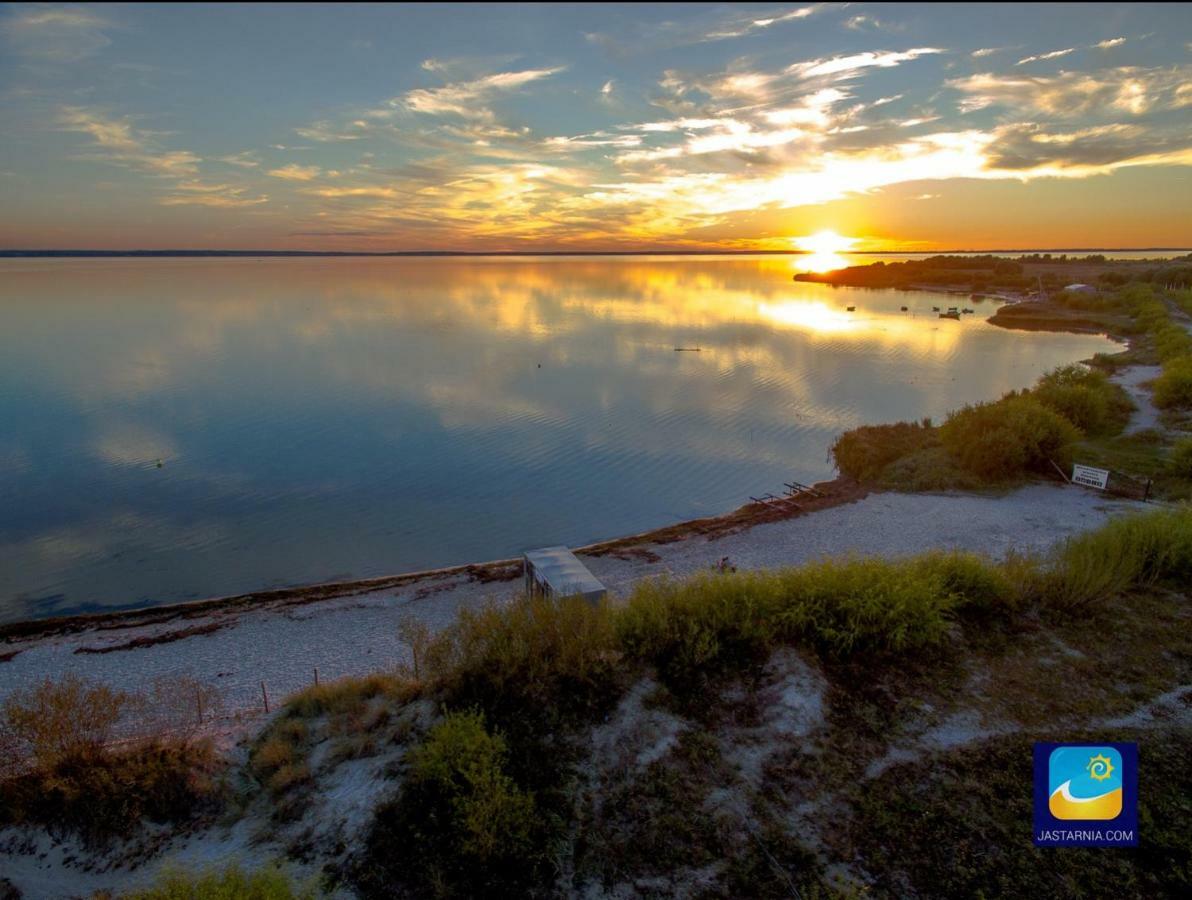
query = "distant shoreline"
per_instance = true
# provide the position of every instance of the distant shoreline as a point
(198, 254)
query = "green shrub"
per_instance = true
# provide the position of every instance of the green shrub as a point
(342, 696)
(1009, 438)
(932, 469)
(526, 652)
(230, 883)
(461, 826)
(863, 453)
(867, 605)
(1173, 388)
(1086, 398)
(1179, 463)
(689, 628)
(1130, 552)
(1172, 341)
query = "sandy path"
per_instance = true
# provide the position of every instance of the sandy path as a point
(282, 645)
(1132, 379)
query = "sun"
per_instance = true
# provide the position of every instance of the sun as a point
(825, 242)
(823, 251)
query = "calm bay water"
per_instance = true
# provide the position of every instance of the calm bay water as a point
(321, 419)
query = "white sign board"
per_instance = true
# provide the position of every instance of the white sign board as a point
(1090, 477)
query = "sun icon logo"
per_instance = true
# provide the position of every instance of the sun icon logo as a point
(1099, 767)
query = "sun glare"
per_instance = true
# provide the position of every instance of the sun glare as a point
(824, 249)
(826, 241)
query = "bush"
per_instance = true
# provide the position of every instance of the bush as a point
(461, 825)
(108, 795)
(1086, 398)
(1130, 552)
(1179, 463)
(1173, 388)
(525, 654)
(66, 719)
(689, 629)
(232, 883)
(865, 452)
(1011, 437)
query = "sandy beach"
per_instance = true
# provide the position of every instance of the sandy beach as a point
(281, 643)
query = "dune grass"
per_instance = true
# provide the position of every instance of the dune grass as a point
(230, 883)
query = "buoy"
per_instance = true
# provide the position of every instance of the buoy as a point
(159, 463)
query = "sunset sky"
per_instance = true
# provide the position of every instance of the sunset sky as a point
(685, 126)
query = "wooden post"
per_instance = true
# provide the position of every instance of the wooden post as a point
(316, 676)
(199, 697)
(265, 695)
(1147, 493)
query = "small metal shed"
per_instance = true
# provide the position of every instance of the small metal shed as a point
(555, 572)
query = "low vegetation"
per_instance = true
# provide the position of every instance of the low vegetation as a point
(479, 808)
(473, 831)
(80, 779)
(1028, 272)
(230, 883)
(1023, 433)
(1074, 413)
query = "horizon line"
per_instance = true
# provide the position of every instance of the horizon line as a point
(17, 253)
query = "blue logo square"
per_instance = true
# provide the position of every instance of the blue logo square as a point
(1086, 795)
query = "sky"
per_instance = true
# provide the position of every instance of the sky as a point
(495, 127)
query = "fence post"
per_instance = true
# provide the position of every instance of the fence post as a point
(265, 695)
(316, 676)
(199, 698)
(1147, 494)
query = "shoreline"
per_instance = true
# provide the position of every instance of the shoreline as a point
(835, 492)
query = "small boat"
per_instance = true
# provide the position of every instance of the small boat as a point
(903, 308)
(935, 309)
(953, 309)
(950, 314)
(851, 308)
(967, 311)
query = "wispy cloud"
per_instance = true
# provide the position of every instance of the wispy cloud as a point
(1054, 54)
(118, 141)
(1125, 89)
(57, 34)
(245, 160)
(847, 64)
(467, 99)
(295, 172)
(1111, 42)
(328, 132)
(200, 193)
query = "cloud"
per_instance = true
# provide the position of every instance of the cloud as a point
(56, 34)
(989, 51)
(120, 143)
(295, 172)
(845, 65)
(1112, 42)
(1054, 54)
(466, 98)
(696, 29)
(245, 160)
(1069, 94)
(1100, 147)
(741, 26)
(195, 192)
(327, 132)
